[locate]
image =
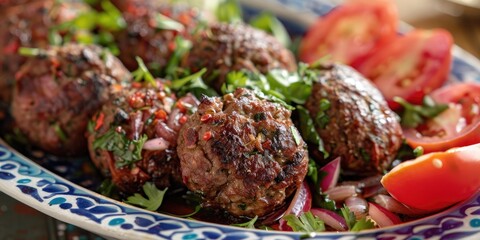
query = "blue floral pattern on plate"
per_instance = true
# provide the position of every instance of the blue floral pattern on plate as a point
(23, 179)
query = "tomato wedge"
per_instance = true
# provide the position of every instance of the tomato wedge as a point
(436, 180)
(350, 32)
(458, 126)
(411, 66)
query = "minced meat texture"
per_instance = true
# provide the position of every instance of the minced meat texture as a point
(223, 48)
(146, 37)
(358, 126)
(242, 154)
(142, 111)
(28, 26)
(59, 90)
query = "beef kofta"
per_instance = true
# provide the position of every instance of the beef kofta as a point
(134, 137)
(242, 154)
(28, 26)
(223, 48)
(354, 121)
(150, 32)
(59, 89)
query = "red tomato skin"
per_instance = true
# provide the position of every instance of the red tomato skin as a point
(437, 180)
(429, 50)
(322, 33)
(468, 136)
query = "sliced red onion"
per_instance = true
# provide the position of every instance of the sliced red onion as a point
(301, 202)
(173, 119)
(156, 144)
(330, 218)
(162, 130)
(340, 193)
(358, 206)
(332, 170)
(190, 99)
(136, 124)
(373, 190)
(382, 216)
(365, 182)
(395, 206)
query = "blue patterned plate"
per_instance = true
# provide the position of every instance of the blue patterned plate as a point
(57, 191)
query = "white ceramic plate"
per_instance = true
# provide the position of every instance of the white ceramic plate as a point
(52, 194)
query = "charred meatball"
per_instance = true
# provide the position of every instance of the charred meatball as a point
(146, 37)
(358, 126)
(148, 120)
(28, 26)
(242, 154)
(59, 90)
(223, 48)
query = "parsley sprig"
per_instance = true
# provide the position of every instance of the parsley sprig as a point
(306, 222)
(126, 151)
(142, 73)
(154, 197)
(250, 224)
(414, 115)
(354, 224)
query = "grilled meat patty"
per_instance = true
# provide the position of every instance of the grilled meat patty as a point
(242, 154)
(28, 25)
(223, 48)
(58, 91)
(133, 137)
(358, 126)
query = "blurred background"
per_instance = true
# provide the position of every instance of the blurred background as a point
(460, 17)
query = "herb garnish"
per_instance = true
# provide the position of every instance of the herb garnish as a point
(165, 23)
(31, 52)
(354, 224)
(142, 73)
(182, 46)
(322, 118)
(59, 132)
(250, 224)
(414, 115)
(229, 11)
(154, 197)
(296, 135)
(306, 222)
(307, 128)
(125, 150)
(192, 84)
(270, 24)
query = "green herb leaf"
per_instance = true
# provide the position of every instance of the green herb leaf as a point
(354, 224)
(195, 211)
(414, 115)
(142, 73)
(165, 23)
(59, 131)
(154, 197)
(322, 118)
(270, 24)
(124, 150)
(296, 135)
(31, 52)
(229, 11)
(418, 151)
(182, 46)
(250, 224)
(179, 83)
(362, 224)
(307, 128)
(106, 188)
(306, 222)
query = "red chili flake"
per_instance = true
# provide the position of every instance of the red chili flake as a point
(183, 119)
(206, 117)
(161, 114)
(136, 102)
(172, 46)
(99, 121)
(185, 179)
(181, 106)
(11, 47)
(55, 63)
(136, 85)
(207, 136)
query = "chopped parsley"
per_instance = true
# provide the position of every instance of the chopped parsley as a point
(126, 151)
(142, 73)
(165, 23)
(182, 46)
(59, 132)
(250, 224)
(106, 188)
(229, 11)
(322, 118)
(296, 135)
(154, 197)
(270, 24)
(418, 151)
(193, 84)
(306, 222)
(354, 224)
(414, 115)
(307, 128)
(31, 52)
